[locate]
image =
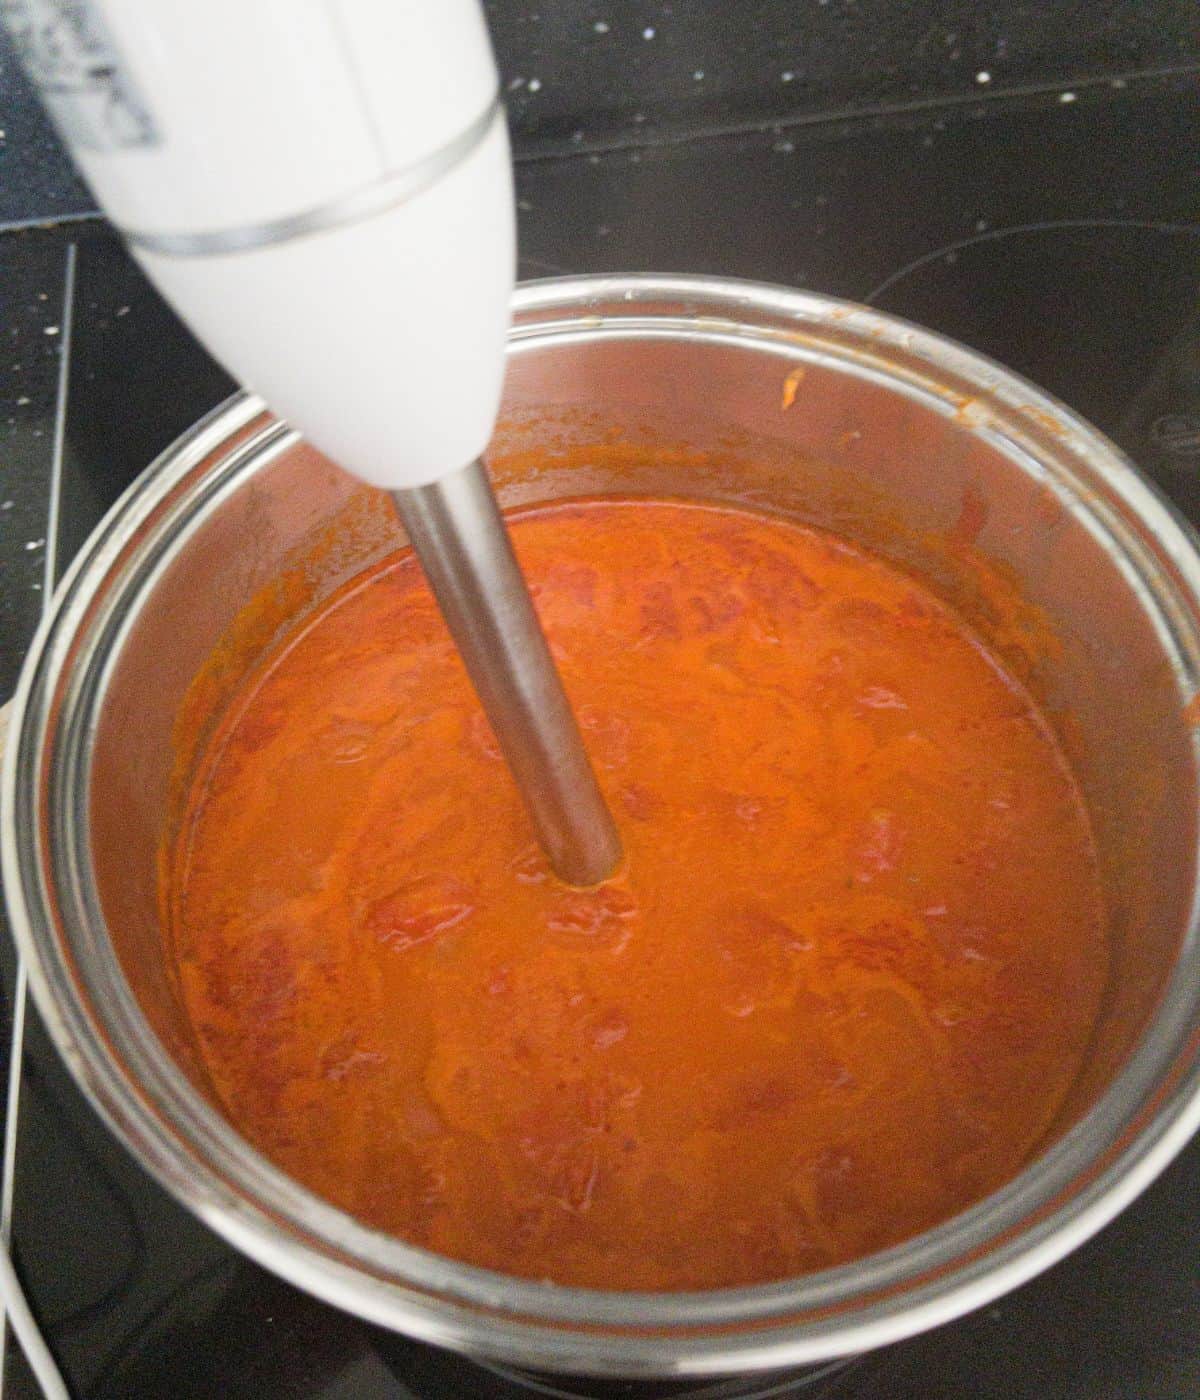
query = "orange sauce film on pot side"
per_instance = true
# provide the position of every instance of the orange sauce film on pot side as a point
(836, 993)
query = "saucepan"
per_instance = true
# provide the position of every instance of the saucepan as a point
(829, 413)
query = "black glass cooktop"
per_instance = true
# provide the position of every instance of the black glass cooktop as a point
(1058, 234)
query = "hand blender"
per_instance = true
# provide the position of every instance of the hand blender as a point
(322, 190)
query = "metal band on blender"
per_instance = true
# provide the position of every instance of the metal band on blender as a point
(394, 189)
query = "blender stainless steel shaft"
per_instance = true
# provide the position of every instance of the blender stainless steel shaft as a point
(460, 538)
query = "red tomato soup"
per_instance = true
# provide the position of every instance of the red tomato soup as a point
(836, 993)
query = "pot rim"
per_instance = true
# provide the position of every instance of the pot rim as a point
(1072, 1190)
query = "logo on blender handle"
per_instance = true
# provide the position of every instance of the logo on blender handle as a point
(1177, 433)
(86, 86)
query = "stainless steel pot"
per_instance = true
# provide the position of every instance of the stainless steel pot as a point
(891, 431)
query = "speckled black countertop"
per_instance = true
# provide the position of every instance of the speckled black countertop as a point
(1056, 232)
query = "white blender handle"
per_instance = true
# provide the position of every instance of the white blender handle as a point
(323, 191)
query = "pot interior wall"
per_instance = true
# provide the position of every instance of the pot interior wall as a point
(938, 490)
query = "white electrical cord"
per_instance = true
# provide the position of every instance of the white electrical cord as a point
(12, 1296)
(37, 1353)
(16, 1310)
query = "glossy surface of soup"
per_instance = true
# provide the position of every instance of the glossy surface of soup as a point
(836, 993)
